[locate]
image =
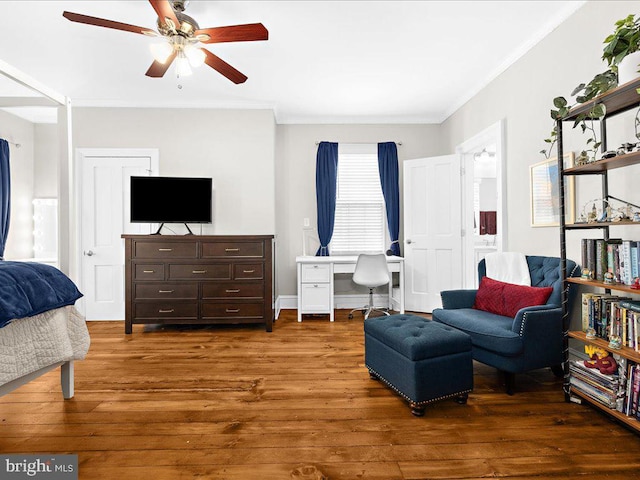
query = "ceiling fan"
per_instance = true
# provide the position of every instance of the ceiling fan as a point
(182, 34)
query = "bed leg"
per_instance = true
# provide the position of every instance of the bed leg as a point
(66, 379)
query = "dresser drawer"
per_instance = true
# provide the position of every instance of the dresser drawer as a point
(316, 272)
(232, 310)
(182, 291)
(232, 249)
(247, 271)
(166, 249)
(232, 290)
(217, 271)
(148, 271)
(166, 310)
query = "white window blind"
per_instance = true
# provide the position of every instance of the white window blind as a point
(360, 221)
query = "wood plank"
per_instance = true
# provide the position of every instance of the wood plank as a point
(236, 402)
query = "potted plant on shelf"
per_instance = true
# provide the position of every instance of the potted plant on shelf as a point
(622, 48)
(601, 83)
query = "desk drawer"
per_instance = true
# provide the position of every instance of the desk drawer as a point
(316, 298)
(166, 250)
(166, 310)
(149, 271)
(316, 272)
(183, 291)
(232, 249)
(211, 271)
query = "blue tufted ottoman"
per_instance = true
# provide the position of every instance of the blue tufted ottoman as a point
(422, 360)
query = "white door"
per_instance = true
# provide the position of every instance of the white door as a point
(104, 190)
(432, 230)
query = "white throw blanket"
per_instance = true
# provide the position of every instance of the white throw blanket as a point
(509, 267)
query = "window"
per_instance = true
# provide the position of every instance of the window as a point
(360, 220)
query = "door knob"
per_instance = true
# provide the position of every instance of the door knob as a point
(408, 240)
(89, 253)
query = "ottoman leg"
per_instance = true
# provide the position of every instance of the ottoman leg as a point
(373, 376)
(417, 410)
(462, 399)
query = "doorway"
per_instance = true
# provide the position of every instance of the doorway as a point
(483, 198)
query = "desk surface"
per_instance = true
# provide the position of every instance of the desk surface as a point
(340, 259)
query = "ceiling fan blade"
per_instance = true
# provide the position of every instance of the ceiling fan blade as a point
(234, 33)
(101, 22)
(164, 10)
(223, 67)
(157, 69)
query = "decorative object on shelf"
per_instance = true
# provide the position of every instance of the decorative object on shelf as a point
(591, 333)
(609, 278)
(601, 359)
(544, 187)
(586, 274)
(615, 342)
(636, 284)
(609, 154)
(621, 49)
(603, 211)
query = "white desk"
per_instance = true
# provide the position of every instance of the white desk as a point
(315, 281)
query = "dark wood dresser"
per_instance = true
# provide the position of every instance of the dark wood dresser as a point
(198, 279)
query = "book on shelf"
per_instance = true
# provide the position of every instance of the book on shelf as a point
(619, 259)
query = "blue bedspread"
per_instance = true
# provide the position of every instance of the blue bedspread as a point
(27, 289)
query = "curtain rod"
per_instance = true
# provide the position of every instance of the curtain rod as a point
(17, 145)
(362, 143)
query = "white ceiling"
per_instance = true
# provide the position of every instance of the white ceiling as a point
(324, 62)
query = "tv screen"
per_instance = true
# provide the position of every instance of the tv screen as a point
(170, 200)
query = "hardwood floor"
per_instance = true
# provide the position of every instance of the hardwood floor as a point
(236, 402)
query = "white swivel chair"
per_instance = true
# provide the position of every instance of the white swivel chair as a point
(371, 271)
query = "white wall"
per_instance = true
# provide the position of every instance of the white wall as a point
(523, 95)
(20, 240)
(46, 151)
(295, 178)
(234, 147)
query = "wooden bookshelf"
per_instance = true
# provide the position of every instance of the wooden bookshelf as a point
(611, 286)
(588, 226)
(617, 100)
(606, 164)
(626, 352)
(629, 421)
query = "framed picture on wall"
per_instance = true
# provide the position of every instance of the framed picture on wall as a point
(544, 185)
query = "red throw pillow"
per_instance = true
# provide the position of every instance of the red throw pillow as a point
(506, 298)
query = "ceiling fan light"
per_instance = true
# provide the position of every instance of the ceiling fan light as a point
(182, 67)
(161, 51)
(195, 55)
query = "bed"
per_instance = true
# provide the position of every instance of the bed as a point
(40, 329)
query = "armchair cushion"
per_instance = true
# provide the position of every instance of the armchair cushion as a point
(507, 299)
(487, 330)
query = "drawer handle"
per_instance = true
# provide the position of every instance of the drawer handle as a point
(234, 290)
(170, 310)
(165, 249)
(148, 271)
(166, 291)
(315, 286)
(232, 310)
(315, 266)
(248, 271)
(231, 249)
(198, 271)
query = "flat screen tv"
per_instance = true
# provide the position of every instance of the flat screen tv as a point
(170, 200)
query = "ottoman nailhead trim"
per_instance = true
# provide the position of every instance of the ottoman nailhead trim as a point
(424, 402)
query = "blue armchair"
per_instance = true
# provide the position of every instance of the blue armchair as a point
(531, 340)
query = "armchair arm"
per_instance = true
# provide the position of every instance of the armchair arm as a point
(539, 320)
(452, 299)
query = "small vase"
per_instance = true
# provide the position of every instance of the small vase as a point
(628, 68)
